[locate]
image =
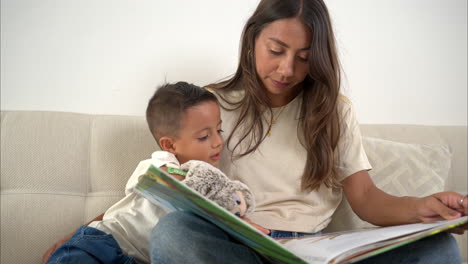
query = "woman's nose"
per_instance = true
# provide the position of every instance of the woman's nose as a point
(286, 67)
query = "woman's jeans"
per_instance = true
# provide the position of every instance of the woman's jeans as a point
(181, 237)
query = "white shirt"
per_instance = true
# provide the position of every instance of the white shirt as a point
(131, 220)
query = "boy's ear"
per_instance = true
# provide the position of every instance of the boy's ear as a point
(167, 144)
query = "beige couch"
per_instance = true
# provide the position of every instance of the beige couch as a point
(59, 170)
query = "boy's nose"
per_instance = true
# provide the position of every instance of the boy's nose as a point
(218, 140)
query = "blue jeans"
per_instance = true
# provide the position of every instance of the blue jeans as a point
(181, 237)
(275, 234)
(91, 246)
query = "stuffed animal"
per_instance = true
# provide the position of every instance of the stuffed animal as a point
(212, 183)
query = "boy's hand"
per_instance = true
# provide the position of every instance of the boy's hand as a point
(54, 247)
(57, 244)
(176, 176)
(261, 228)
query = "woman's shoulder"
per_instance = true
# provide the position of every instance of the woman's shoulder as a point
(227, 97)
(344, 104)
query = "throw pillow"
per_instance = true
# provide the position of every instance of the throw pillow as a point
(399, 169)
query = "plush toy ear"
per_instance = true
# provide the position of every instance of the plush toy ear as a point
(167, 144)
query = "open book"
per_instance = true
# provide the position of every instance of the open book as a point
(341, 247)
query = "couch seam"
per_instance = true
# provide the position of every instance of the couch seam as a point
(88, 178)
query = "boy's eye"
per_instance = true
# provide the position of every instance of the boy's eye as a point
(203, 138)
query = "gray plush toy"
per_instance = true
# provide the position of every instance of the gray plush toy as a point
(212, 183)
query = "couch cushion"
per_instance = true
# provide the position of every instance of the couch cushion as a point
(45, 152)
(118, 144)
(44, 169)
(60, 170)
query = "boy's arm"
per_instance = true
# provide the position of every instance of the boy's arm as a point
(51, 250)
(98, 218)
(141, 168)
(57, 244)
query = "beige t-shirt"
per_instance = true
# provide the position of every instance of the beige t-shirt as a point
(274, 171)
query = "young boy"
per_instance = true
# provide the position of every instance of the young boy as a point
(185, 121)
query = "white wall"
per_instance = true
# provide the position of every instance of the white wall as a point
(405, 61)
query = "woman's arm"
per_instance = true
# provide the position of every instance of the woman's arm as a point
(379, 208)
(51, 250)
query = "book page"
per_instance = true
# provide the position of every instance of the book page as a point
(327, 247)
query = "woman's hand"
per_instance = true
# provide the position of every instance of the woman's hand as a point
(443, 205)
(262, 229)
(57, 244)
(459, 230)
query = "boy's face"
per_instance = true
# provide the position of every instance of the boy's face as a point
(200, 134)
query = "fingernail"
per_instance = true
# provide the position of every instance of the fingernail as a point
(455, 214)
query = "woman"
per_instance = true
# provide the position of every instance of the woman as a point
(296, 143)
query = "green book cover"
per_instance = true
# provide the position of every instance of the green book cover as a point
(157, 185)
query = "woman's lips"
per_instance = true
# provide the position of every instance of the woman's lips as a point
(280, 85)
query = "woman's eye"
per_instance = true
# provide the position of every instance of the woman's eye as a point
(220, 131)
(203, 138)
(274, 52)
(305, 59)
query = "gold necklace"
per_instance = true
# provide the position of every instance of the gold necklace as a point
(274, 120)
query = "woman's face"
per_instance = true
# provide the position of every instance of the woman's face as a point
(281, 58)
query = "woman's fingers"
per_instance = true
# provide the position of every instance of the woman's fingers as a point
(460, 230)
(437, 207)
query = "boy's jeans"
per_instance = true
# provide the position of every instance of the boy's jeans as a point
(90, 245)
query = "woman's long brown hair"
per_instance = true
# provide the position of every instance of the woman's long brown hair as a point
(319, 128)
